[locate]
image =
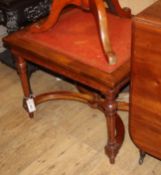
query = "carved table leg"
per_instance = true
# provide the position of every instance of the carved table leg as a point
(115, 128)
(21, 67)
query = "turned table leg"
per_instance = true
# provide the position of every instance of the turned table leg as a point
(115, 128)
(28, 101)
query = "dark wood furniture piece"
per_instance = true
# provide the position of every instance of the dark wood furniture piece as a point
(15, 13)
(145, 104)
(85, 45)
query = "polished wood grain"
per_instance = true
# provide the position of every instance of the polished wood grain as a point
(115, 6)
(145, 111)
(106, 85)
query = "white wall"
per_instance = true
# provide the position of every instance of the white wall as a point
(136, 5)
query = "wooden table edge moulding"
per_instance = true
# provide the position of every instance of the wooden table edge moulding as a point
(107, 84)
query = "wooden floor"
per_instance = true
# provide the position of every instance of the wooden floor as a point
(64, 138)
